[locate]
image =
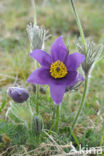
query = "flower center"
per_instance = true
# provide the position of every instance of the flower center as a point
(58, 69)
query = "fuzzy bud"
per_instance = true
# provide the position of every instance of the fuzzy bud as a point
(94, 54)
(37, 35)
(19, 95)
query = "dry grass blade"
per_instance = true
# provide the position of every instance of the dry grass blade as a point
(6, 151)
(52, 139)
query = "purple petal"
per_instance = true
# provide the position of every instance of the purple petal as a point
(59, 50)
(71, 78)
(68, 80)
(42, 57)
(74, 60)
(79, 77)
(39, 76)
(57, 93)
(42, 76)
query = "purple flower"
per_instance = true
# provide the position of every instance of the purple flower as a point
(19, 95)
(58, 70)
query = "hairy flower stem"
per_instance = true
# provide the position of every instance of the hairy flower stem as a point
(79, 25)
(82, 101)
(86, 76)
(57, 118)
(36, 63)
(37, 139)
(37, 103)
(35, 22)
(34, 10)
(29, 122)
(56, 123)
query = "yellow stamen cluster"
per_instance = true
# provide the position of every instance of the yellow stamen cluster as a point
(58, 69)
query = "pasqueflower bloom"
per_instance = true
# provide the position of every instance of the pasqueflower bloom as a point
(58, 70)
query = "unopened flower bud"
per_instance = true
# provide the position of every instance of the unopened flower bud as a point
(94, 54)
(37, 125)
(37, 36)
(19, 95)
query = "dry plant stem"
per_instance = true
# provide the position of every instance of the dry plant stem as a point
(82, 101)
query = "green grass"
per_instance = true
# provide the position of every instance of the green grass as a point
(16, 65)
